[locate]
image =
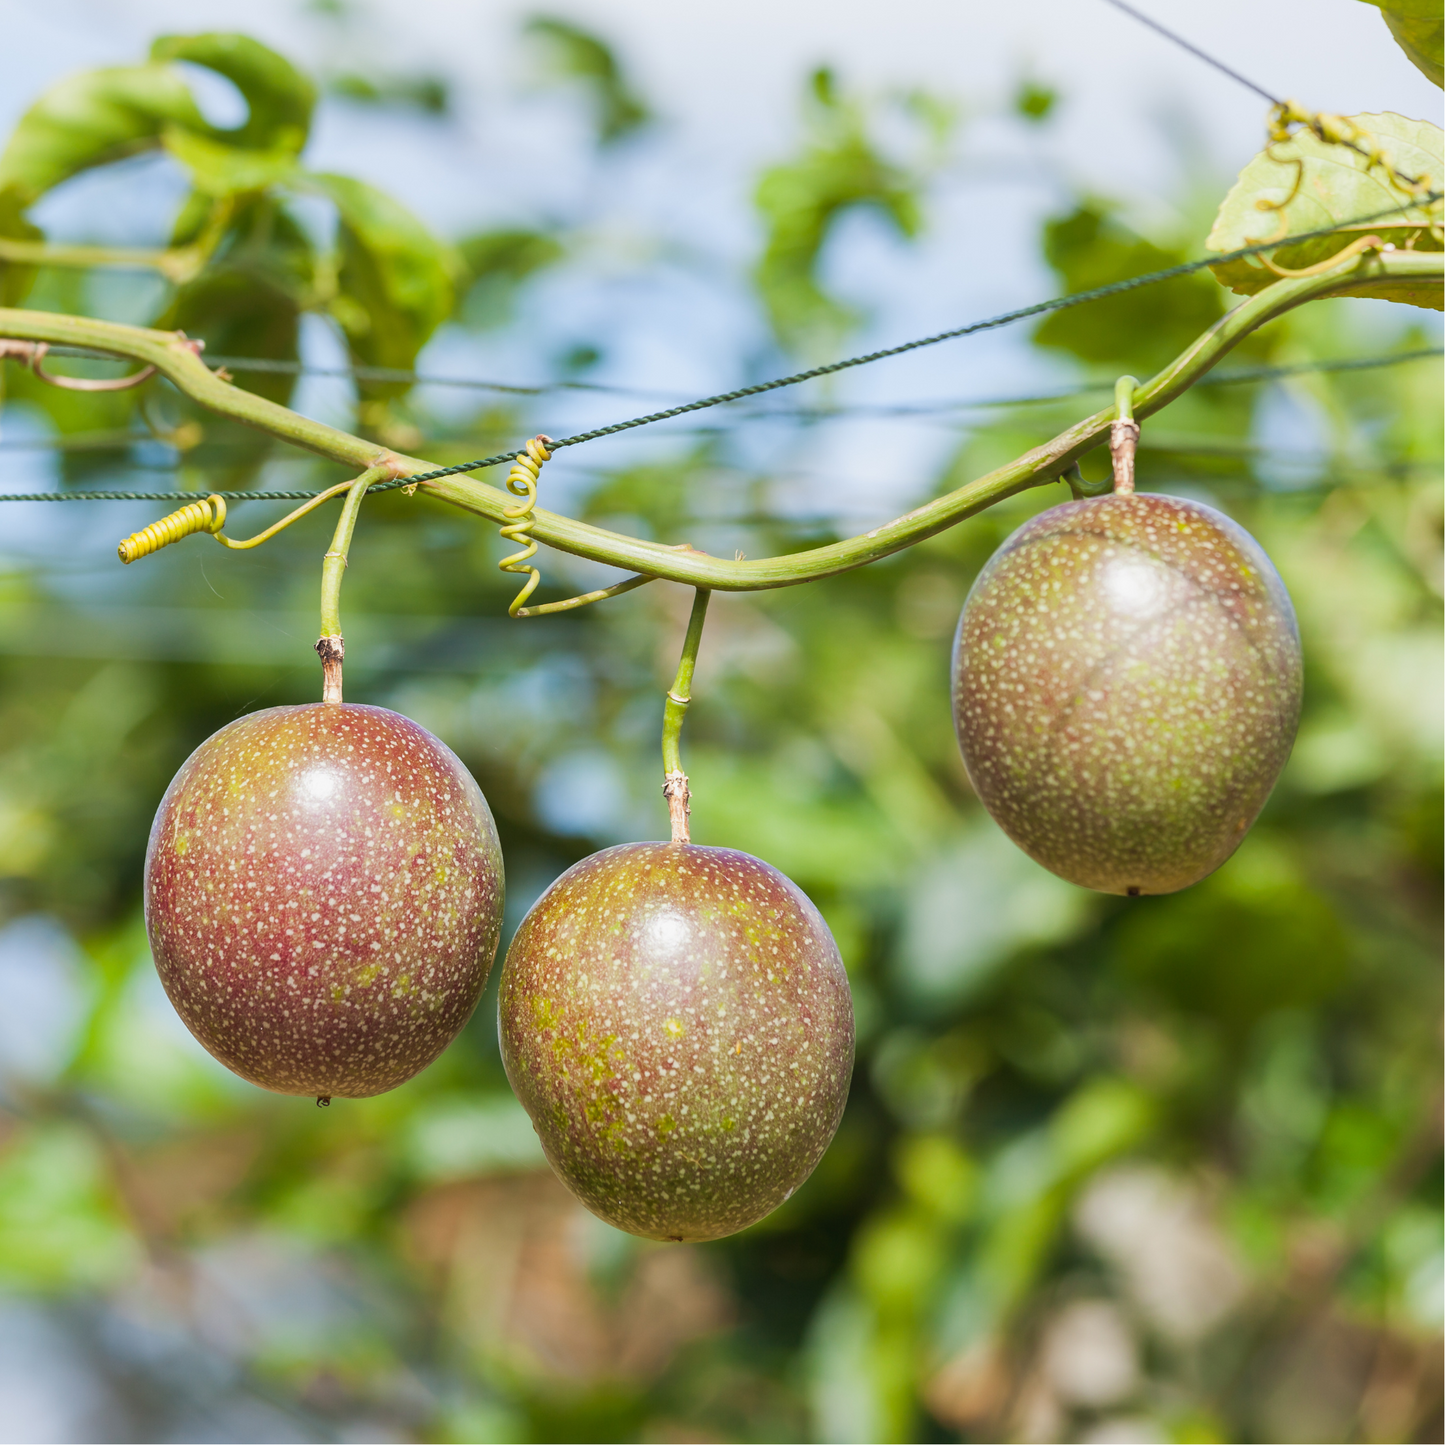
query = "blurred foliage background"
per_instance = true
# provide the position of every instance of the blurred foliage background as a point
(1110, 1171)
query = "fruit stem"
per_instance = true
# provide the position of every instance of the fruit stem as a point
(1124, 435)
(329, 646)
(674, 781)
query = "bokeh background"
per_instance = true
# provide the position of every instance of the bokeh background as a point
(1160, 1170)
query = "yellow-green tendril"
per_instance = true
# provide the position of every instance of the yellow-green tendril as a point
(586, 599)
(210, 516)
(1342, 130)
(674, 781)
(200, 516)
(522, 482)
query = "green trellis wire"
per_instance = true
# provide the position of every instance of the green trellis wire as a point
(1058, 303)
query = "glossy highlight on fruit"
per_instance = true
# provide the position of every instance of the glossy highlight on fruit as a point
(677, 1022)
(323, 895)
(1126, 688)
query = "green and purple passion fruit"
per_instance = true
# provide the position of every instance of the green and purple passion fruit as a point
(677, 1022)
(323, 892)
(1126, 688)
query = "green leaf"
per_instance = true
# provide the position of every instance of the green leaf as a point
(579, 55)
(511, 254)
(1035, 102)
(1101, 1119)
(1334, 187)
(496, 263)
(15, 277)
(429, 94)
(280, 97)
(237, 314)
(1135, 330)
(801, 200)
(89, 119)
(219, 170)
(395, 279)
(1250, 939)
(60, 1227)
(248, 300)
(1419, 32)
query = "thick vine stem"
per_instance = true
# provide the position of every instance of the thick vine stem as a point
(1123, 436)
(674, 710)
(1043, 464)
(330, 647)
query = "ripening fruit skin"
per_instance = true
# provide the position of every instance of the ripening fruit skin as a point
(323, 895)
(677, 1022)
(1126, 688)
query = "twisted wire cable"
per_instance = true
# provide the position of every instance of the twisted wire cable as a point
(1058, 303)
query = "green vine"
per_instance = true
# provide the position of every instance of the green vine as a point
(174, 358)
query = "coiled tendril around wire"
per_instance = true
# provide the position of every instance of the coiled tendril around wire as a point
(522, 482)
(206, 516)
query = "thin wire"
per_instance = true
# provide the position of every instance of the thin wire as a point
(1225, 378)
(297, 368)
(119, 441)
(388, 373)
(171, 496)
(378, 373)
(1194, 50)
(1058, 303)
(1282, 106)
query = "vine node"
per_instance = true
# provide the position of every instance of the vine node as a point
(1124, 435)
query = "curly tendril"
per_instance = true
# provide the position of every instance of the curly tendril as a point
(522, 482)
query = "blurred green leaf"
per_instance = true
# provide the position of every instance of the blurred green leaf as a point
(838, 171)
(395, 277)
(1101, 1120)
(219, 170)
(279, 96)
(1305, 184)
(853, 1379)
(510, 253)
(427, 93)
(578, 55)
(1419, 32)
(15, 278)
(898, 1259)
(494, 265)
(972, 908)
(1251, 938)
(757, 805)
(1035, 102)
(91, 118)
(1137, 330)
(938, 1174)
(60, 1226)
(454, 1136)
